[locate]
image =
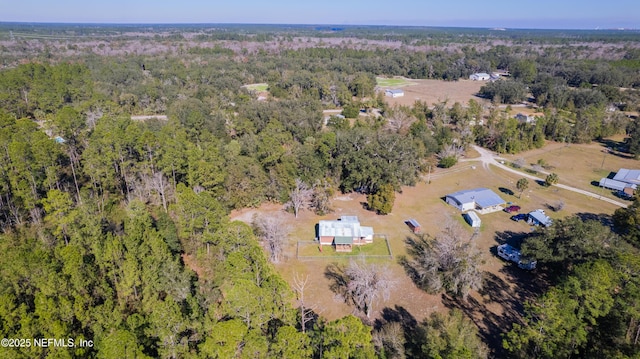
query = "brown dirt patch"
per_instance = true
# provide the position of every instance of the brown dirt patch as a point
(435, 91)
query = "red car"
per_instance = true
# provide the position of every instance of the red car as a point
(512, 209)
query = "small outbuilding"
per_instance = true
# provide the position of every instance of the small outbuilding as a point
(629, 192)
(473, 219)
(414, 225)
(393, 93)
(539, 218)
(480, 76)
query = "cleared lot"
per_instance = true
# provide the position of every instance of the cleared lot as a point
(434, 91)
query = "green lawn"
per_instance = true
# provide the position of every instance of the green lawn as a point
(311, 249)
(257, 87)
(393, 82)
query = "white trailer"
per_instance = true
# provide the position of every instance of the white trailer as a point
(511, 254)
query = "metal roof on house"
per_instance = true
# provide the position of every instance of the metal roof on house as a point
(628, 176)
(353, 219)
(366, 231)
(343, 240)
(395, 91)
(483, 197)
(346, 226)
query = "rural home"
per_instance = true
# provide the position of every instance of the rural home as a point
(483, 200)
(538, 218)
(480, 76)
(344, 233)
(393, 93)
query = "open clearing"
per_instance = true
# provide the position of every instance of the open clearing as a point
(495, 308)
(580, 165)
(260, 87)
(394, 82)
(434, 91)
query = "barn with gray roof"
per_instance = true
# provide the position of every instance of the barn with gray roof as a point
(482, 200)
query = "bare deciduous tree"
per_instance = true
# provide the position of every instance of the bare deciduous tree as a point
(300, 197)
(399, 119)
(451, 150)
(150, 184)
(306, 311)
(366, 284)
(450, 261)
(273, 231)
(391, 337)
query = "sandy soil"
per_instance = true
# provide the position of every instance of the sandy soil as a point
(434, 91)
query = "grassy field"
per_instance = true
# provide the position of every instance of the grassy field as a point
(261, 87)
(579, 165)
(392, 82)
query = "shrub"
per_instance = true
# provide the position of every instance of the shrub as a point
(448, 161)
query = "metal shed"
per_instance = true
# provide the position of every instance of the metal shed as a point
(414, 225)
(473, 219)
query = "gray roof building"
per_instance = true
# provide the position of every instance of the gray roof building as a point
(482, 199)
(628, 176)
(538, 218)
(615, 185)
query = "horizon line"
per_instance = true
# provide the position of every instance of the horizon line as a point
(496, 28)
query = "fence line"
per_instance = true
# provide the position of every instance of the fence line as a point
(383, 236)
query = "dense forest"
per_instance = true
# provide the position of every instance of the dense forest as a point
(117, 230)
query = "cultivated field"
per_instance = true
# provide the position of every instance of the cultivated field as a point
(434, 91)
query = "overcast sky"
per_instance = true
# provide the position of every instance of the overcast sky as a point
(554, 14)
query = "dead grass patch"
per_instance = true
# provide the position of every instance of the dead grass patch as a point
(434, 91)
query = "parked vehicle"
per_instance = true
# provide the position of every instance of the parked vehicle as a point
(519, 217)
(511, 254)
(512, 209)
